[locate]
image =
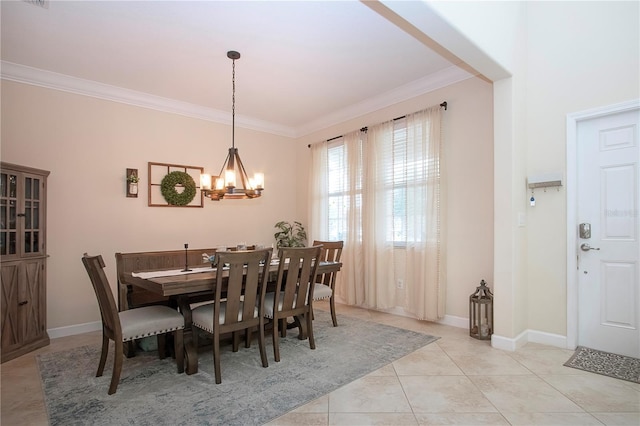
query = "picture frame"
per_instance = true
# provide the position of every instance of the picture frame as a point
(164, 172)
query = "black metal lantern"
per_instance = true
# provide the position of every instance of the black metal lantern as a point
(481, 312)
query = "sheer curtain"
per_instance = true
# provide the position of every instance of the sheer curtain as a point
(344, 178)
(391, 210)
(425, 255)
(318, 191)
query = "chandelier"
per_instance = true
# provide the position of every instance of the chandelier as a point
(232, 181)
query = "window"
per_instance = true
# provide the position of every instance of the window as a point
(402, 176)
(404, 179)
(344, 187)
(379, 190)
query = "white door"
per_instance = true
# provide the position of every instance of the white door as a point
(609, 261)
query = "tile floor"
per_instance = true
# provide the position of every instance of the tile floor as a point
(454, 381)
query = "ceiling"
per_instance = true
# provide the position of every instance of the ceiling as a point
(305, 65)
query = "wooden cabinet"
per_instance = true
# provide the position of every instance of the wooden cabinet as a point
(23, 313)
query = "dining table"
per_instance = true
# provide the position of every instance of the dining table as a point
(186, 286)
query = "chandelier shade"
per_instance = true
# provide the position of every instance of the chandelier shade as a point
(232, 182)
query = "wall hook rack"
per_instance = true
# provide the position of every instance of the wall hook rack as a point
(545, 181)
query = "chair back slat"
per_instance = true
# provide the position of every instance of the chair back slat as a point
(108, 310)
(331, 250)
(296, 272)
(246, 284)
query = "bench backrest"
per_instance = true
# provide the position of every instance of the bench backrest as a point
(126, 263)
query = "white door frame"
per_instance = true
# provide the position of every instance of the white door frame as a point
(572, 207)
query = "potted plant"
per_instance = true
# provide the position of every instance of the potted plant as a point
(132, 181)
(290, 235)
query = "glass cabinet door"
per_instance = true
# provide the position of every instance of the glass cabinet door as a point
(21, 214)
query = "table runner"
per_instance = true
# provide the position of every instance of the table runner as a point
(174, 272)
(171, 273)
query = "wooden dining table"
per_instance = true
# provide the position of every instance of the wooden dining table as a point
(184, 287)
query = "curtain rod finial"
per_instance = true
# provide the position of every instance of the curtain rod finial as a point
(444, 105)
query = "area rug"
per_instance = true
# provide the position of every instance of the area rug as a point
(605, 363)
(151, 392)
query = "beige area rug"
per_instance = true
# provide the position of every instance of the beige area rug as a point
(152, 393)
(605, 363)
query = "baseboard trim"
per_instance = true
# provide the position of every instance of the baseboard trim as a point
(533, 336)
(454, 321)
(72, 330)
(508, 343)
(550, 339)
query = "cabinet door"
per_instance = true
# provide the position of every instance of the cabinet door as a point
(23, 303)
(21, 214)
(9, 209)
(32, 308)
(9, 298)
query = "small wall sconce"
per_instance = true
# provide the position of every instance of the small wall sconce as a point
(132, 183)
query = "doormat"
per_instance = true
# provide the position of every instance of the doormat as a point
(605, 363)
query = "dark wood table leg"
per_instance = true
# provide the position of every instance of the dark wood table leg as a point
(190, 350)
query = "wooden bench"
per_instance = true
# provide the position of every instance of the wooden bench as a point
(130, 297)
(133, 297)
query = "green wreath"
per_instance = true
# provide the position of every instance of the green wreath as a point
(168, 188)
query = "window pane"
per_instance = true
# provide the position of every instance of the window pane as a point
(27, 242)
(27, 215)
(12, 242)
(337, 169)
(337, 185)
(36, 215)
(3, 214)
(3, 184)
(36, 241)
(27, 188)
(36, 189)
(12, 214)
(13, 186)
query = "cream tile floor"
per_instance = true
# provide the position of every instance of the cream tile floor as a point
(454, 381)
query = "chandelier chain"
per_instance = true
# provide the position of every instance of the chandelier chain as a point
(233, 103)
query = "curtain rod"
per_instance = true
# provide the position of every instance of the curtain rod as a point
(364, 129)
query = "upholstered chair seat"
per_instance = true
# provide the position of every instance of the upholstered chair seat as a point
(149, 321)
(202, 316)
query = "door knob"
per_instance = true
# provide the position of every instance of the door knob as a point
(587, 247)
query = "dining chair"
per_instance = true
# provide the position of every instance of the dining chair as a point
(325, 286)
(242, 307)
(131, 324)
(293, 295)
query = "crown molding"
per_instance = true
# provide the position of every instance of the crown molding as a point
(438, 80)
(37, 77)
(51, 80)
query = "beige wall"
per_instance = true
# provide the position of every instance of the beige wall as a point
(88, 143)
(468, 148)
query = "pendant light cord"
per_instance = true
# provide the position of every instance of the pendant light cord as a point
(233, 104)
